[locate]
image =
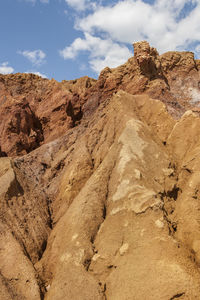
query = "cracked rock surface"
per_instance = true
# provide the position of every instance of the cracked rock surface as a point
(107, 207)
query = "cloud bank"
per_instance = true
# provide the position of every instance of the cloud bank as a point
(37, 73)
(78, 5)
(5, 68)
(103, 52)
(36, 57)
(109, 30)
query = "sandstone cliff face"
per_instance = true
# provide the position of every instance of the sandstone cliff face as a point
(100, 190)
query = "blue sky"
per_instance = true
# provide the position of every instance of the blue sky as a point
(67, 39)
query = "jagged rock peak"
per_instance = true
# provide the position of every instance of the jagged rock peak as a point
(147, 58)
(52, 107)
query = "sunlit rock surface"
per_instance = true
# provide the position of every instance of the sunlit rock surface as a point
(100, 182)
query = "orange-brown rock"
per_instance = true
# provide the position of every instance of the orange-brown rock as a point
(41, 110)
(172, 78)
(99, 194)
(34, 111)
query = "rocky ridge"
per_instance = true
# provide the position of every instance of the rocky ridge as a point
(99, 182)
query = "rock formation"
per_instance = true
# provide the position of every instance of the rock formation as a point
(100, 184)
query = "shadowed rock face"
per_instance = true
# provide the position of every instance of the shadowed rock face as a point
(34, 111)
(99, 183)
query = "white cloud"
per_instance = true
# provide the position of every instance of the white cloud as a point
(36, 57)
(37, 73)
(77, 4)
(81, 5)
(5, 68)
(165, 24)
(103, 52)
(134, 20)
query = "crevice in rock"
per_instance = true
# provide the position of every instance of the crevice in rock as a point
(172, 226)
(87, 263)
(104, 212)
(60, 107)
(50, 220)
(44, 167)
(2, 153)
(173, 194)
(43, 248)
(147, 209)
(41, 286)
(111, 266)
(15, 189)
(103, 289)
(41, 294)
(75, 116)
(60, 165)
(177, 296)
(168, 198)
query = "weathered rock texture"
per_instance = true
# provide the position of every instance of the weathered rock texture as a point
(100, 189)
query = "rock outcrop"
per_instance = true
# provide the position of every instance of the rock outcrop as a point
(99, 183)
(35, 111)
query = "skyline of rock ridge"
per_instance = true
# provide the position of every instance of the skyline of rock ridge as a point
(100, 184)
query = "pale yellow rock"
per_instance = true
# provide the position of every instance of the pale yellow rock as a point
(125, 210)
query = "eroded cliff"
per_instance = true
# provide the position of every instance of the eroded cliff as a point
(99, 182)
